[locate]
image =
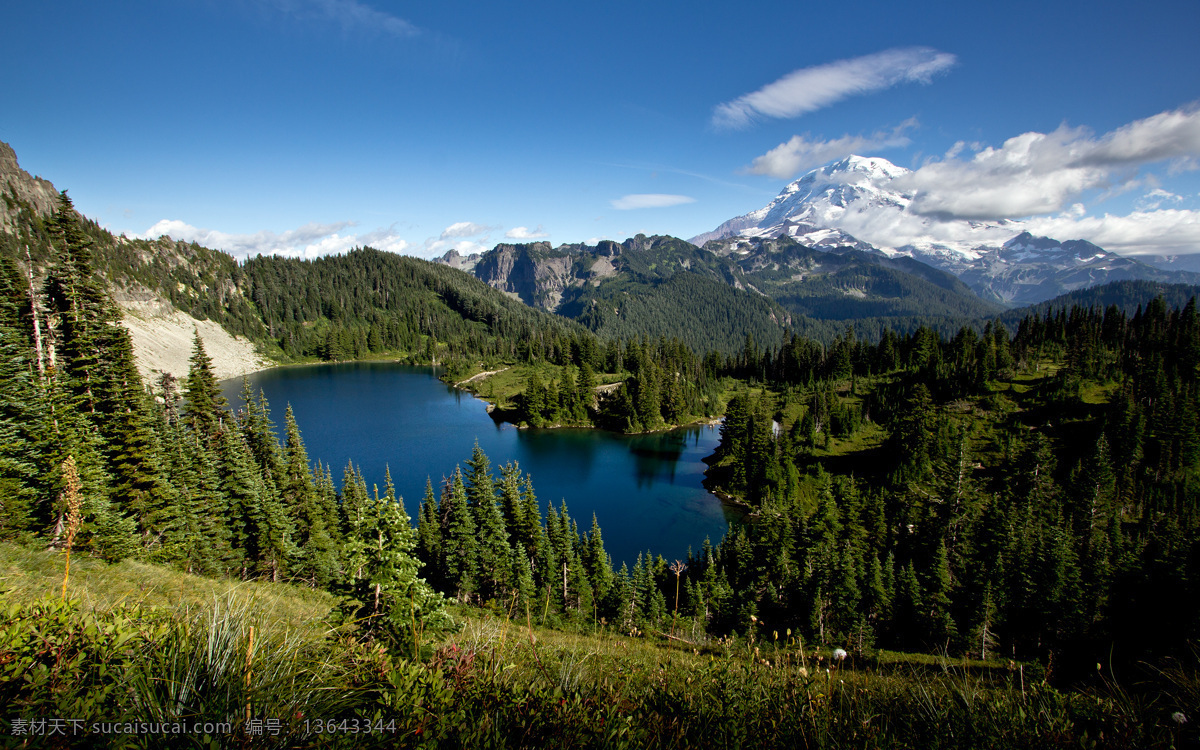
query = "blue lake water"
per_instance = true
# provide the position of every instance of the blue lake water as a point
(644, 489)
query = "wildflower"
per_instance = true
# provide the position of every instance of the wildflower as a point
(839, 654)
(1179, 718)
(804, 671)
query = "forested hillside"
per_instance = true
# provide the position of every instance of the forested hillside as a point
(1028, 496)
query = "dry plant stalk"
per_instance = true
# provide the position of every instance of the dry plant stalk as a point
(73, 499)
(249, 669)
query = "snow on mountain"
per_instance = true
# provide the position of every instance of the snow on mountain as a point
(864, 203)
(861, 202)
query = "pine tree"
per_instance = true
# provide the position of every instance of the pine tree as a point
(309, 512)
(399, 603)
(460, 549)
(495, 555)
(429, 537)
(596, 562)
(524, 591)
(206, 405)
(20, 413)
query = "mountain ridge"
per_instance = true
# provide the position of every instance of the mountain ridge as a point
(832, 206)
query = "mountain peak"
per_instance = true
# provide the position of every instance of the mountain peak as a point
(40, 194)
(873, 165)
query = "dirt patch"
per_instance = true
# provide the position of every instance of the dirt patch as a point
(480, 376)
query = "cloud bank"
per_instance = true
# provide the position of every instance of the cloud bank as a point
(1040, 173)
(649, 200)
(809, 89)
(1167, 231)
(464, 229)
(308, 241)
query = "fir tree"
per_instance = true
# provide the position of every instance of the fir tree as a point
(460, 545)
(206, 404)
(495, 555)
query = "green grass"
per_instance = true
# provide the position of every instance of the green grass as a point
(27, 575)
(500, 682)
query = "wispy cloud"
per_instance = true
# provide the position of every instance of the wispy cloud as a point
(1154, 199)
(1035, 174)
(809, 89)
(649, 200)
(308, 241)
(525, 233)
(350, 15)
(464, 229)
(803, 152)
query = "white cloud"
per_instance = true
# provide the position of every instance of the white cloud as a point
(308, 241)
(458, 236)
(1167, 135)
(1040, 173)
(1154, 199)
(464, 229)
(525, 233)
(434, 248)
(649, 200)
(801, 153)
(1163, 232)
(351, 15)
(809, 89)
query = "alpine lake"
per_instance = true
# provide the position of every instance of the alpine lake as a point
(645, 490)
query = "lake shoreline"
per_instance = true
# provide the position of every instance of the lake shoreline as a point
(388, 416)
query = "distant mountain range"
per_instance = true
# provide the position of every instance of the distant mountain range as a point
(711, 297)
(783, 267)
(1000, 261)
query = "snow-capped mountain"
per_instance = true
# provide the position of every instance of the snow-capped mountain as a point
(863, 203)
(811, 210)
(1029, 269)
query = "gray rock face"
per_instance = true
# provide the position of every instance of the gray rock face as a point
(454, 259)
(20, 185)
(534, 273)
(540, 276)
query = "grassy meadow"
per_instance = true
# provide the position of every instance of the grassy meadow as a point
(139, 642)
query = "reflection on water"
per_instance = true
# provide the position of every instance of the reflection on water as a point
(645, 490)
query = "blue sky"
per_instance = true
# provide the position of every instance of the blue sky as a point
(309, 126)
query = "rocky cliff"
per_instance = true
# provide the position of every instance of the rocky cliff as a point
(162, 334)
(19, 185)
(540, 276)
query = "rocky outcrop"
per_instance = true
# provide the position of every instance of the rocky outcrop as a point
(19, 186)
(454, 259)
(534, 273)
(544, 277)
(162, 334)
